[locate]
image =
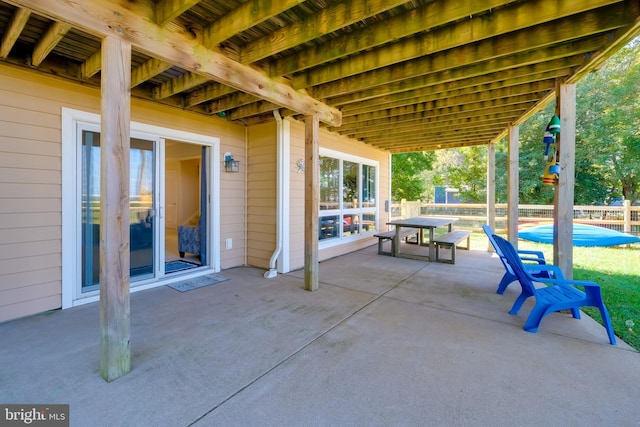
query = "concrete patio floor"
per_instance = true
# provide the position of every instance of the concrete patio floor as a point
(383, 342)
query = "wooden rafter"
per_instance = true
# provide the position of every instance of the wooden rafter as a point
(206, 93)
(13, 30)
(106, 18)
(179, 84)
(230, 102)
(440, 92)
(472, 61)
(326, 21)
(91, 66)
(432, 108)
(49, 40)
(517, 22)
(244, 17)
(148, 70)
(232, 23)
(167, 10)
(431, 15)
(433, 116)
(452, 123)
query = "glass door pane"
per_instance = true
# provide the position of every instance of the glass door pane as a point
(142, 209)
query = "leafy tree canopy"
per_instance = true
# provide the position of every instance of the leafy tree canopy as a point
(406, 169)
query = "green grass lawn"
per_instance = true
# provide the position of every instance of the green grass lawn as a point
(615, 269)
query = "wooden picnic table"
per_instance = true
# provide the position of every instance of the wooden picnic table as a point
(421, 222)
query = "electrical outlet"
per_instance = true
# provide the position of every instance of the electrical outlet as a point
(228, 243)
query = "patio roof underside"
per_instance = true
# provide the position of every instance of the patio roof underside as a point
(402, 76)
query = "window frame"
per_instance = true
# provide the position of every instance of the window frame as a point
(360, 210)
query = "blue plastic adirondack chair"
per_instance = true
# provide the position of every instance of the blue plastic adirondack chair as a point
(536, 257)
(559, 295)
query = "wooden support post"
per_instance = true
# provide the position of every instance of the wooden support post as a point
(564, 194)
(491, 190)
(513, 184)
(115, 356)
(311, 202)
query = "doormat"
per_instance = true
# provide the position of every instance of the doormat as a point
(173, 266)
(198, 282)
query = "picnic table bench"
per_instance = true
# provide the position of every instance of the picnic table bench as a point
(451, 240)
(390, 235)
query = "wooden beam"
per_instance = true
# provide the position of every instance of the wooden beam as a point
(493, 122)
(148, 70)
(491, 190)
(49, 40)
(230, 102)
(436, 146)
(505, 28)
(179, 84)
(436, 116)
(256, 108)
(386, 31)
(507, 69)
(479, 61)
(443, 97)
(234, 22)
(244, 17)
(109, 18)
(140, 74)
(168, 10)
(440, 140)
(513, 185)
(323, 22)
(91, 66)
(115, 359)
(533, 82)
(564, 189)
(13, 30)
(311, 202)
(208, 92)
(459, 117)
(453, 107)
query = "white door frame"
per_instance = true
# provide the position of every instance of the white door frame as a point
(71, 119)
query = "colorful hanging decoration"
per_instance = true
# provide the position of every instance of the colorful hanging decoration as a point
(552, 169)
(550, 178)
(548, 139)
(554, 125)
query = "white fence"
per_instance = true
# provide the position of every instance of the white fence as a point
(625, 218)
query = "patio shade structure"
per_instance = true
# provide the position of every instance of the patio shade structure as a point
(400, 76)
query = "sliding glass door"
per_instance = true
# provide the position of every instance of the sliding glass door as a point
(143, 191)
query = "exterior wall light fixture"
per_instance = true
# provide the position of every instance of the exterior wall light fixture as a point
(231, 165)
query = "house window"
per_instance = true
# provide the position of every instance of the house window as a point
(348, 196)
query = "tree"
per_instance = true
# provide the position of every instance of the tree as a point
(470, 176)
(607, 138)
(608, 129)
(406, 169)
